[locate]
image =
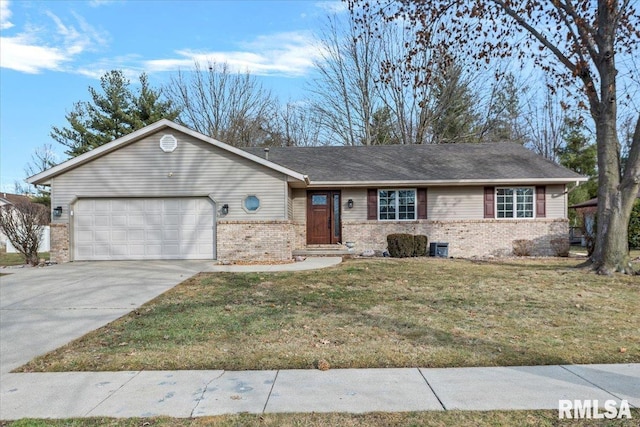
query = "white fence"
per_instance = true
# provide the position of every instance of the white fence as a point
(45, 245)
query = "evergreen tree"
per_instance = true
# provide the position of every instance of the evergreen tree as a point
(114, 111)
(454, 119)
(579, 154)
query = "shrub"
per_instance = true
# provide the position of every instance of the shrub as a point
(420, 245)
(560, 246)
(522, 247)
(400, 245)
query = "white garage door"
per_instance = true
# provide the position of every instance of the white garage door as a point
(131, 229)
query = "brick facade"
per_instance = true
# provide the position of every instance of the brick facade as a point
(254, 240)
(466, 238)
(275, 240)
(59, 243)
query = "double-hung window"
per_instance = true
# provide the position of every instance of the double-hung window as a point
(397, 205)
(514, 202)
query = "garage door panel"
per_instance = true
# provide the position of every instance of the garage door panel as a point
(136, 220)
(153, 236)
(102, 236)
(153, 251)
(152, 219)
(99, 205)
(172, 228)
(136, 205)
(101, 250)
(171, 218)
(84, 236)
(188, 219)
(171, 235)
(98, 220)
(83, 220)
(136, 250)
(153, 205)
(136, 236)
(119, 220)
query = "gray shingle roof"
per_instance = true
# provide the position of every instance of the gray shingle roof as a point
(444, 162)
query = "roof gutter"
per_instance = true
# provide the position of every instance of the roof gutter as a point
(436, 183)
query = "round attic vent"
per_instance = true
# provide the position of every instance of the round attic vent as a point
(168, 143)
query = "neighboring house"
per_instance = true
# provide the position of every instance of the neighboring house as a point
(167, 192)
(587, 210)
(12, 199)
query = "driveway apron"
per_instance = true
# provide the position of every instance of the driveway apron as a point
(44, 308)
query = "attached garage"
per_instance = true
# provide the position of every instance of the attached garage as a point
(144, 228)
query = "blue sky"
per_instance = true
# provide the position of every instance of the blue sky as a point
(52, 51)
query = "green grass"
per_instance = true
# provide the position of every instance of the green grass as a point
(16, 259)
(373, 313)
(427, 419)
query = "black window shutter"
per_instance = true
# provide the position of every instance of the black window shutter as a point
(541, 204)
(489, 196)
(422, 203)
(372, 203)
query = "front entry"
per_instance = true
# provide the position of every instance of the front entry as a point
(323, 217)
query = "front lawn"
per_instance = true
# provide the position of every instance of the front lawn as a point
(373, 313)
(424, 419)
(7, 259)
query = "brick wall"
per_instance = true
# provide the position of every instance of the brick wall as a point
(59, 243)
(254, 240)
(466, 238)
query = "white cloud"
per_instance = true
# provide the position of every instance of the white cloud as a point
(332, 6)
(21, 54)
(290, 53)
(5, 15)
(98, 3)
(47, 47)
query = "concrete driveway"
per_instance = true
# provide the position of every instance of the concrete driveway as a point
(44, 308)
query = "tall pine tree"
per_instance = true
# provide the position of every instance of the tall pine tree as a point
(114, 111)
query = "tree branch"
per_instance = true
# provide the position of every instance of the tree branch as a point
(585, 31)
(585, 77)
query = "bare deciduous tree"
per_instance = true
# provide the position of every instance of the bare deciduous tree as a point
(345, 90)
(545, 122)
(231, 107)
(23, 223)
(294, 125)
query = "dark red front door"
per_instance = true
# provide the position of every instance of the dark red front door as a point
(323, 217)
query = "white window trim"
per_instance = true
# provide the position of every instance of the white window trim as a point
(495, 203)
(244, 208)
(415, 198)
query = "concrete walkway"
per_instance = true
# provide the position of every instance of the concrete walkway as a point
(311, 263)
(205, 393)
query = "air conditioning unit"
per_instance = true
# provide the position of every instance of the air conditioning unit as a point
(439, 249)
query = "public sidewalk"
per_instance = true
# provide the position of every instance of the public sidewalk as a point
(205, 393)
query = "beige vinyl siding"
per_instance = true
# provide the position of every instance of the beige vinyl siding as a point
(195, 168)
(445, 203)
(290, 204)
(556, 201)
(299, 204)
(359, 210)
